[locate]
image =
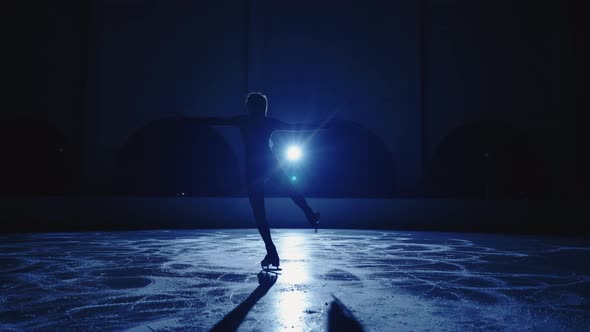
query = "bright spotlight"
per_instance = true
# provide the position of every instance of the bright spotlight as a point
(293, 153)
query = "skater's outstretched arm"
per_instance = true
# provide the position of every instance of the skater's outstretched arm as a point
(283, 126)
(217, 121)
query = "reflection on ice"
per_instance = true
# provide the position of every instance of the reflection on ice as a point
(292, 300)
(294, 253)
(290, 308)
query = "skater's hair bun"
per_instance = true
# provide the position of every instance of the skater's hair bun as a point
(256, 103)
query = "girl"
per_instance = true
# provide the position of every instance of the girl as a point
(262, 165)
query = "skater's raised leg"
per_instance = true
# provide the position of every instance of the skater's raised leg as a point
(281, 180)
(256, 197)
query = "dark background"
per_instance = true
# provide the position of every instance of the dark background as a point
(433, 98)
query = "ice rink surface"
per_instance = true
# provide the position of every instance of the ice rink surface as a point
(192, 279)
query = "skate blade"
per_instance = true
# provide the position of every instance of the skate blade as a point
(271, 269)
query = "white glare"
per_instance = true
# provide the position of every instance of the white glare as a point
(293, 153)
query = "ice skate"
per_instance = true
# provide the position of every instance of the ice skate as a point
(270, 260)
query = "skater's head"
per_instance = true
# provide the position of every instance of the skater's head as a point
(256, 104)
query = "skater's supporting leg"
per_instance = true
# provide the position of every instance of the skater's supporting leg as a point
(256, 197)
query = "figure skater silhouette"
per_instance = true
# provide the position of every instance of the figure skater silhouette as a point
(262, 165)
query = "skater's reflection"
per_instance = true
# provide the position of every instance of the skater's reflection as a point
(232, 321)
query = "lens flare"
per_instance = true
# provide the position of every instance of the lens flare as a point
(294, 153)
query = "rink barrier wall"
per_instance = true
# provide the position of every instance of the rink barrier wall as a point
(24, 214)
